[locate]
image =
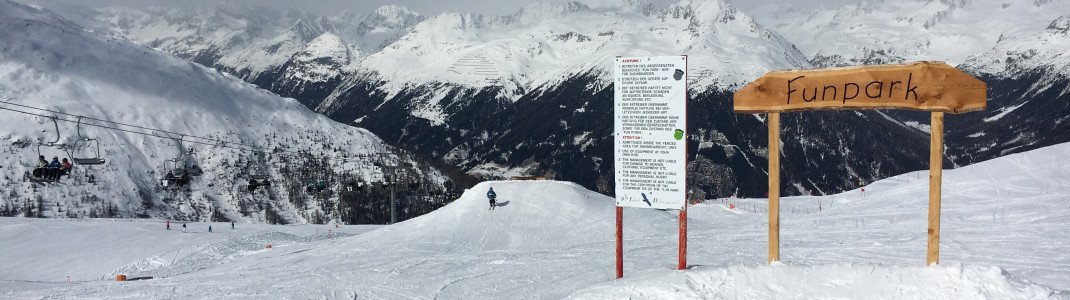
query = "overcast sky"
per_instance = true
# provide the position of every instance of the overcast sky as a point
(425, 7)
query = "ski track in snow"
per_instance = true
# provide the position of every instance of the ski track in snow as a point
(1004, 231)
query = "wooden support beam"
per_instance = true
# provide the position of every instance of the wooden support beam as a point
(773, 121)
(936, 165)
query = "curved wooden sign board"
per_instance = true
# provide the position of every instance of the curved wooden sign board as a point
(929, 86)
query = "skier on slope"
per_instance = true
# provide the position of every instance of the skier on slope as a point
(491, 195)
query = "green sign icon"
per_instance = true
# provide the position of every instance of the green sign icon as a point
(679, 134)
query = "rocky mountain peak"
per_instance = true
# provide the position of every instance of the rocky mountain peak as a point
(1060, 25)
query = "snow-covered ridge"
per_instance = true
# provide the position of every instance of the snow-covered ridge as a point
(541, 44)
(545, 43)
(894, 31)
(244, 38)
(323, 58)
(49, 63)
(1042, 51)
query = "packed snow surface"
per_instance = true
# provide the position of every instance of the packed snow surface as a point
(1004, 235)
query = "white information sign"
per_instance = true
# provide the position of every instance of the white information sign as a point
(649, 119)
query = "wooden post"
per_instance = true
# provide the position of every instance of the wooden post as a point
(936, 165)
(620, 242)
(683, 239)
(773, 121)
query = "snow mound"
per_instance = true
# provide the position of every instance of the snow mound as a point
(840, 281)
(529, 215)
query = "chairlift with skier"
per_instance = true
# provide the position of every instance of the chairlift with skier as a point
(46, 171)
(258, 177)
(181, 170)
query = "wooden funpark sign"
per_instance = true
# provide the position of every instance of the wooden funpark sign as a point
(929, 86)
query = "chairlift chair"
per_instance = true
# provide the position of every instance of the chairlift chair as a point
(84, 141)
(38, 174)
(176, 177)
(193, 169)
(355, 185)
(258, 179)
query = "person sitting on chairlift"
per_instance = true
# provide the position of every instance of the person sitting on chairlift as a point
(65, 168)
(42, 167)
(53, 168)
(169, 179)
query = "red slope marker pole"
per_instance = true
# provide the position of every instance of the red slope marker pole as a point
(683, 239)
(620, 242)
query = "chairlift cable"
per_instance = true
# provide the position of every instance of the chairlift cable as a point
(154, 133)
(215, 142)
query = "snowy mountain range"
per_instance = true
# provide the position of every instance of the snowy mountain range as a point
(151, 112)
(529, 93)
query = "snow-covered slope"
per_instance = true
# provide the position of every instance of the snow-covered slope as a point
(96, 249)
(873, 32)
(1004, 232)
(49, 63)
(843, 281)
